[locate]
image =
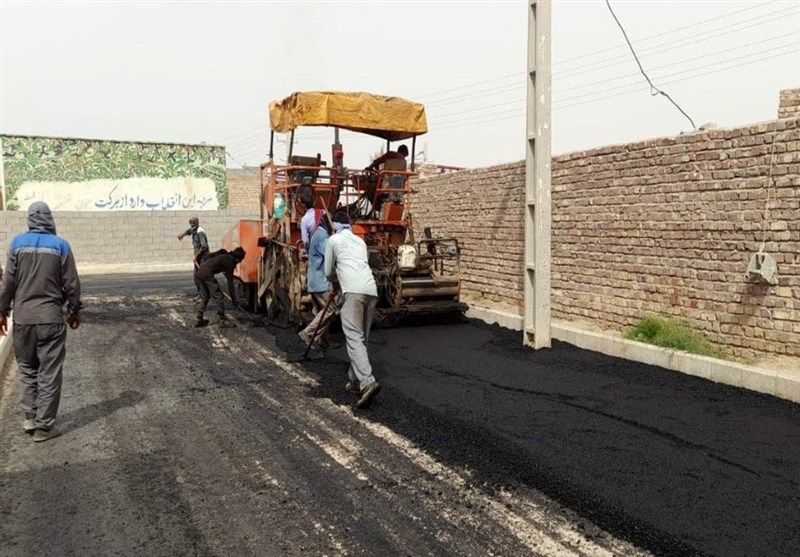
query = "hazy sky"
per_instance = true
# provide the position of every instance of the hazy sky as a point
(205, 71)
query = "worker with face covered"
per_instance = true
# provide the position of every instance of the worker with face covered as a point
(218, 262)
(347, 264)
(40, 279)
(199, 245)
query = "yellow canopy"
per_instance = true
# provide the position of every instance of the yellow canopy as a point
(390, 118)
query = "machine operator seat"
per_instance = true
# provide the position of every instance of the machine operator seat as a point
(394, 181)
(299, 160)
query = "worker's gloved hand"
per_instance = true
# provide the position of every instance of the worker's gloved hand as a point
(3, 325)
(74, 320)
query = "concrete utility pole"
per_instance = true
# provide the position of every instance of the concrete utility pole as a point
(536, 318)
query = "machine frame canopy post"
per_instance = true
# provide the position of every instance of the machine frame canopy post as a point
(271, 145)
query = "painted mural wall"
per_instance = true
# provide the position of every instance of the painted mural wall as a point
(94, 175)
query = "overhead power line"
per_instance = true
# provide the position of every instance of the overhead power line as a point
(258, 134)
(736, 62)
(520, 112)
(259, 142)
(703, 73)
(593, 92)
(726, 50)
(675, 30)
(697, 38)
(617, 60)
(712, 65)
(465, 95)
(603, 50)
(228, 153)
(653, 89)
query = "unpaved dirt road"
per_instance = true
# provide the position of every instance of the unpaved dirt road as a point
(181, 441)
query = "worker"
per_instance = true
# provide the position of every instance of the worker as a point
(318, 286)
(219, 262)
(346, 262)
(400, 154)
(41, 277)
(304, 201)
(199, 246)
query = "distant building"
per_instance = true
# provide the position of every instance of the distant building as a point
(244, 188)
(74, 174)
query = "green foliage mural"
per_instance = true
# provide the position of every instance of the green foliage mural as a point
(74, 160)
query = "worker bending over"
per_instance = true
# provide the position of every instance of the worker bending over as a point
(218, 262)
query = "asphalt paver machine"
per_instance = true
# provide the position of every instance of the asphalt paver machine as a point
(416, 274)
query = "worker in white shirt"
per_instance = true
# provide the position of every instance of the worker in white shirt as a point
(347, 263)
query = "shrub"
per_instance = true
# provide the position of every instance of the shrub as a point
(673, 334)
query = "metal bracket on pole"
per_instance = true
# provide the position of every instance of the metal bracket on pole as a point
(536, 318)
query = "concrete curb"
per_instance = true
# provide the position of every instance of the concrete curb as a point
(132, 268)
(776, 383)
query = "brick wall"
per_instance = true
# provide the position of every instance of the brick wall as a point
(132, 237)
(789, 103)
(665, 226)
(483, 209)
(244, 189)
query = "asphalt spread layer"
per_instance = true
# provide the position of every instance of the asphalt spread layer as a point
(676, 464)
(181, 441)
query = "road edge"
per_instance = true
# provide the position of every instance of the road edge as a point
(132, 268)
(785, 385)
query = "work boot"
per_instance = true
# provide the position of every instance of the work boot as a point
(368, 394)
(45, 434)
(29, 426)
(200, 321)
